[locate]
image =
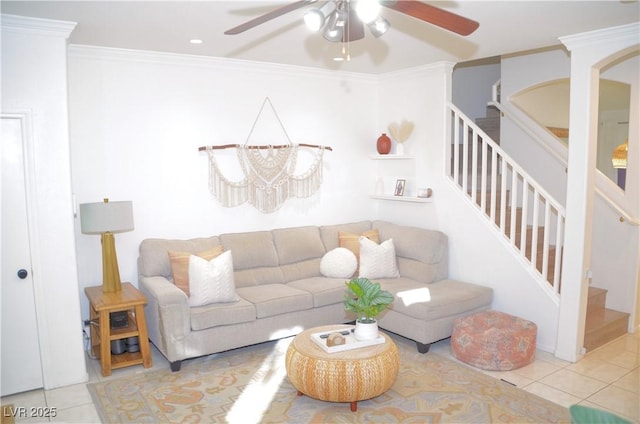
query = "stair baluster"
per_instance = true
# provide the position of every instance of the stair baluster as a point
(517, 206)
(514, 206)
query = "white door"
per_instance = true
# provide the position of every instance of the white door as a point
(21, 368)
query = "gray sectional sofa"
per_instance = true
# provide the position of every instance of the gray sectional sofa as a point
(282, 291)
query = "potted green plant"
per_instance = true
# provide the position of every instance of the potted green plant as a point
(367, 300)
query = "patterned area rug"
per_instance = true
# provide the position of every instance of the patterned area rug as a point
(250, 385)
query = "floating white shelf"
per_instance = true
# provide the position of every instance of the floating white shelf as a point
(402, 198)
(390, 157)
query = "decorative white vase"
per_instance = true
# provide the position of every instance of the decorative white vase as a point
(399, 149)
(366, 330)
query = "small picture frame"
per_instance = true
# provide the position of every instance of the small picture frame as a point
(399, 190)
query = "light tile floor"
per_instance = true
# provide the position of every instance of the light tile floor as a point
(607, 378)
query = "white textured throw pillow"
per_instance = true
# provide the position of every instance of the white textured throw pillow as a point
(378, 260)
(211, 281)
(339, 263)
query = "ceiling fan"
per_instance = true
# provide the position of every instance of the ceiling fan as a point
(344, 20)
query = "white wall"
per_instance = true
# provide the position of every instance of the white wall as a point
(416, 95)
(472, 85)
(476, 253)
(138, 118)
(34, 75)
(628, 71)
(519, 73)
(615, 250)
(547, 103)
(620, 241)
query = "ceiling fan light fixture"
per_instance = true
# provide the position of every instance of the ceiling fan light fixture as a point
(333, 33)
(379, 26)
(313, 20)
(316, 18)
(334, 30)
(368, 10)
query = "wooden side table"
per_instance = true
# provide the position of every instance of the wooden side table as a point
(101, 305)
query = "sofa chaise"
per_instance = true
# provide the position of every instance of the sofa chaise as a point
(282, 288)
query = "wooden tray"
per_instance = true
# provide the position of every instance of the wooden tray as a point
(350, 340)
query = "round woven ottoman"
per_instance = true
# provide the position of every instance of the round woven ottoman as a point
(494, 340)
(347, 376)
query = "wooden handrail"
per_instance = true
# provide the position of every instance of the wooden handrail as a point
(235, 146)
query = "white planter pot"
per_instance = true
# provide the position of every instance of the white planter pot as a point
(366, 330)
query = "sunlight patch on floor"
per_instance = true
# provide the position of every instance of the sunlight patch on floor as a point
(409, 297)
(257, 396)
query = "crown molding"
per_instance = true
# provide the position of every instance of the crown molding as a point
(37, 26)
(624, 33)
(418, 71)
(239, 65)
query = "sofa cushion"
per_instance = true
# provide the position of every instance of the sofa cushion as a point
(258, 276)
(211, 281)
(325, 291)
(180, 265)
(299, 270)
(251, 250)
(378, 260)
(436, 300)
(153, 259)
(298, 244)
(338, 263)
(216, 314)
(276, 299)
(422, 254)
(329, 233)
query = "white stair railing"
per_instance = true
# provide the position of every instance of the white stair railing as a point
(516, 117)
(530, 219)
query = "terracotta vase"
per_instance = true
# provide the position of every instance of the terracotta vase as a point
(384, 144)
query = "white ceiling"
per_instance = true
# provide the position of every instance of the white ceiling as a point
(505, 27)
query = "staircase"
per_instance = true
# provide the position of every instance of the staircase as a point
(521, 239)
(521, 211)
(490, 124)
(603, 325)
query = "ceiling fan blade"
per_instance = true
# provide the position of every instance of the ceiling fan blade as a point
(434, 15)
(269, 16)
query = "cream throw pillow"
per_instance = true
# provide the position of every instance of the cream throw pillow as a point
(180, 265)
(211, 281)
(338, 263)
(378, 260)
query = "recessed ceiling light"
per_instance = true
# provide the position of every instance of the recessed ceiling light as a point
(196, 41)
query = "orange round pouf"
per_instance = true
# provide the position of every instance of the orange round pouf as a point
(494, 340)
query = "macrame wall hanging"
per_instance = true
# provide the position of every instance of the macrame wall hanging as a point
(268, 170)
